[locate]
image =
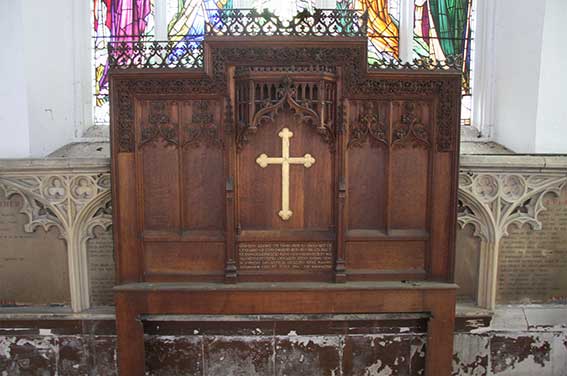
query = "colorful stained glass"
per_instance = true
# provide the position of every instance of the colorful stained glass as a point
(383, 26)
(442, 30)
(115, 21)
(186, 18)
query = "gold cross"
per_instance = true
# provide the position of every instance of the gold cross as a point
(285, 160)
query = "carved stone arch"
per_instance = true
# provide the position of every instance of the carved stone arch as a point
(492, 202)
(85, 223)
(473, 212)
(39, 211)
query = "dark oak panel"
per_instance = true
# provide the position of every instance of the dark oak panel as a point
(186, 257)
(260, 189)
(367, 187)
(202, 166)
(386, 255)
(196, 204)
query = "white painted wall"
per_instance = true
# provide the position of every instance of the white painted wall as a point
(45, 66)
(551, 128)
(517, 56)
(14, 124)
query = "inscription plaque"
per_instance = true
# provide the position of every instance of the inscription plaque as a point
(533, 264)
(467, 259)
(33, 265)
(286, 256)
(100, 253)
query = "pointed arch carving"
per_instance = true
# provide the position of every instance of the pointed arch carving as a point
(287, 101)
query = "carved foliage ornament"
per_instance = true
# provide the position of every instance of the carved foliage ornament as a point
(125, 90)
(159, 124)
(202, 130)
(410, 126)
(371, 124)
(322, 22)
(448, 106)
(354, 75)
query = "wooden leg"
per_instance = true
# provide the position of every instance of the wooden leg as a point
(440, 332)
(130, 332)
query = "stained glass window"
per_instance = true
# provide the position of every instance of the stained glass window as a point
(442, 30)
(116, 21)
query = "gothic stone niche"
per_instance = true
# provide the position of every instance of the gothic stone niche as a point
(40, 254)
(533, 263)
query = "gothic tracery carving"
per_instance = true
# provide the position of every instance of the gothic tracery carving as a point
(355, 83)
(159, 125)
(202, 130)
(286, 97)
(71, 201)
(492, 202)
(371, 124)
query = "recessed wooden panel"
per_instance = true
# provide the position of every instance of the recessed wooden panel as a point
(202, 165)
(386, 255)
(408, 191)
(311, 189)
(442, 215)
(183, 257)
(412, 140)
(367, 189)
(159, 165)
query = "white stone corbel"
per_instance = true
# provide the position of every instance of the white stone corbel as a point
(491, 201)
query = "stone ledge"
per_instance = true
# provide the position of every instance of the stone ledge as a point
(533, 163)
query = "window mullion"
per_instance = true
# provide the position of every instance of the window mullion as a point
(160, 19)
(406, 30)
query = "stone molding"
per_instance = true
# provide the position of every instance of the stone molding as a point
(70, 194)
(498, 191)
(73, 194)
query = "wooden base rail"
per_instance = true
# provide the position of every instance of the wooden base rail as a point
(135, 300)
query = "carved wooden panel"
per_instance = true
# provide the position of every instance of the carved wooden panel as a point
(176, 139)
(388, 167)
(371, 160)
(260, 189)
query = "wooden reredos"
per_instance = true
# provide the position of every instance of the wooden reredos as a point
(202, 133)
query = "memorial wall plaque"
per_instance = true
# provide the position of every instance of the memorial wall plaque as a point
(33, 266)
(533, 264)
(100, 254)
(286, 256)
(467, 262)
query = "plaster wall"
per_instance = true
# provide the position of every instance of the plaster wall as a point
(551, 132)
(517, 51)
(14, 124)
(45, 69)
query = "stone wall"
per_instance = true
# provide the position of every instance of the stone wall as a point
(287, 345)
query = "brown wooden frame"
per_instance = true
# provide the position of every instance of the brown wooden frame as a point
(357, 291)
